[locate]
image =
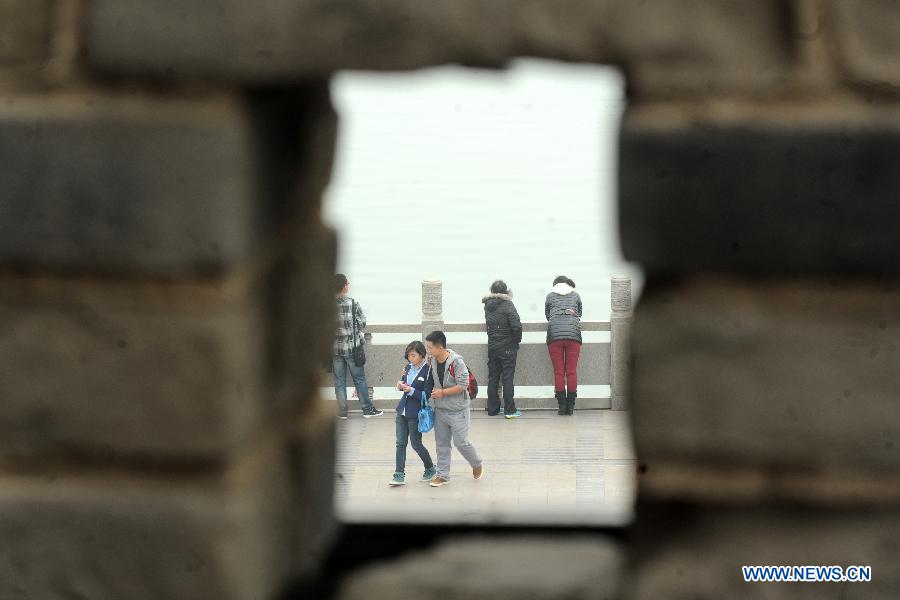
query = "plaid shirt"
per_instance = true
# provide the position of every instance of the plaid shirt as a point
(343, 339)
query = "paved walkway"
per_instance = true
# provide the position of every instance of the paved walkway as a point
(540, 468)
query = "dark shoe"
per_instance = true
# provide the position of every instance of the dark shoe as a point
(372, 413)
(561, 400)
(570, 402)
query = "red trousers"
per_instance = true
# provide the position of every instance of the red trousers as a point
(564, 356)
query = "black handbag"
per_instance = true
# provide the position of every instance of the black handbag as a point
(359, 351)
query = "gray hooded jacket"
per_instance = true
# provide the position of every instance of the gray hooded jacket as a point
(563, 311)
(460, 376)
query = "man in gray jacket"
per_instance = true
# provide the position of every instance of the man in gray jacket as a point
(447, 384)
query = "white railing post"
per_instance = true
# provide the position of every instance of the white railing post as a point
(620, 323)
(432, 306)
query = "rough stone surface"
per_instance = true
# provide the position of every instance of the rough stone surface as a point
(24, 31)
(697, 552)
(513, 568)
(867, 36)
(128, 368)
(117, 537)
(783, 377)
(312, 455)
(300, 313)
(668, 47)
(148, 184)
(782, 192)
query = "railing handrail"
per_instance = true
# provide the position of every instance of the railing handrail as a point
(474, 327)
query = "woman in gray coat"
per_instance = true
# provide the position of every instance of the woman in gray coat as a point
(563, 311)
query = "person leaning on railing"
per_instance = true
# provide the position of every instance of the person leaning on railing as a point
(563, 310)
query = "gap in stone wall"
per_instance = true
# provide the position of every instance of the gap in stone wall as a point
(467, 176)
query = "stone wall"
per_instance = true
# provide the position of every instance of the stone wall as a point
(163, 163)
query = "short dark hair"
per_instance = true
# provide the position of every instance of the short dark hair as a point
(414, 346)
(437, 338)
(564, 279)
(340, 280)
(499, 287)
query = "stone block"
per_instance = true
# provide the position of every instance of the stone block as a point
(684, 551)
(178, 369)
(151, 184)
(747, 189)
(667, 47)
(301, 316)
(759, 389)
(129, 368)
(312, 461)
(121, 536)
(867, 42)
(511, 568)
(24, 31)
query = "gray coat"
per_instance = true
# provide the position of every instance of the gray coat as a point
(460, 377)
(563, 311)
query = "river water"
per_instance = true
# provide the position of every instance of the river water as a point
(468, 176)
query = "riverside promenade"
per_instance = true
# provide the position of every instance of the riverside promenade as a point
(539, 468)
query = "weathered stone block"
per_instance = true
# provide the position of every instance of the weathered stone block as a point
(773, 191)
(513, 568)
(24, 31)
(163, 369)
(697, 552)
(303, 317)
(114, 536)
(312, 461)
(150, 184)
(128, 368)
(668, 47)
(759, 389)
(867, 40)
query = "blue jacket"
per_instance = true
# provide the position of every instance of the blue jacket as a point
(411, 402)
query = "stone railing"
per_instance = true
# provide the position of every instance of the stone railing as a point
(600, 363)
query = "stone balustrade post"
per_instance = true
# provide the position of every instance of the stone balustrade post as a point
(620, 323)
(432, 306)
(368, 337)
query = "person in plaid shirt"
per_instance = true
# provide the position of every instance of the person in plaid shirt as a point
(342, 354)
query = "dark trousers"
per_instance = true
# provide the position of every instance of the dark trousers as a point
(408, 429)
(501, 367)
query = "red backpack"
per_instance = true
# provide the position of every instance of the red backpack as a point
(472, 388)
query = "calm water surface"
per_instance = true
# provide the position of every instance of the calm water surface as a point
(468, 176)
